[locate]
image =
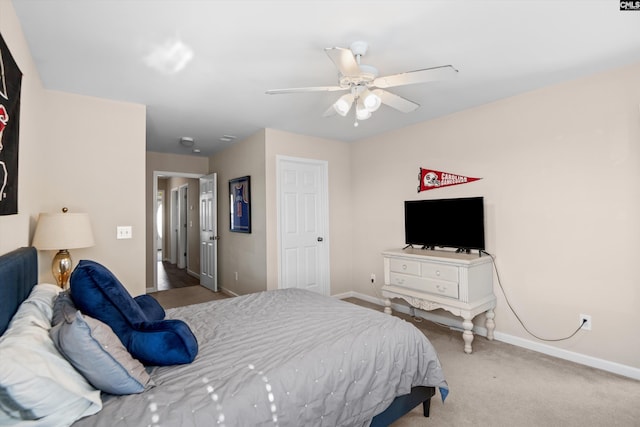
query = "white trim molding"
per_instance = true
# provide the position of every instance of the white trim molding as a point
(582, 359)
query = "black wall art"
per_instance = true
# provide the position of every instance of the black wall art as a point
(10, 81)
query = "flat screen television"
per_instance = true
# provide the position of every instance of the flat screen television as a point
(451, 223)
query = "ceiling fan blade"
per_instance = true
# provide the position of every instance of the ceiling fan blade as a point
(418, 76)
(395, 101)
(344, 60)
(305, 89)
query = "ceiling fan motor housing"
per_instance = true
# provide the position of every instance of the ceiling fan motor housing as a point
(366, 77)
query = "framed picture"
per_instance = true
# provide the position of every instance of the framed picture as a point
(240, 204)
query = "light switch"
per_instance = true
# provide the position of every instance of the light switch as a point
(124, 232)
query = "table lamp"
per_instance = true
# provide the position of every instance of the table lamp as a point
(55, 231)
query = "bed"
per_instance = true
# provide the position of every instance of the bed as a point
(287, 357)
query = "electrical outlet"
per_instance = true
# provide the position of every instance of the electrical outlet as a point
(373, 278)
(585, 325)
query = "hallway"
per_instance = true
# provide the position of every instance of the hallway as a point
(172, 277)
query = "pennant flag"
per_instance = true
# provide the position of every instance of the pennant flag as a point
(431, 179)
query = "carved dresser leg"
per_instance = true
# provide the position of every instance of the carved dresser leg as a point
(491, 325)
(387, 306)
(467, 335)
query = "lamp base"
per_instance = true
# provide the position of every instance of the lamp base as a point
(61, 268)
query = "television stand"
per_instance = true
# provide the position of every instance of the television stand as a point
(459, 283)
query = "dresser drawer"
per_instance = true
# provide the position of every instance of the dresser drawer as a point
(404, 266)
(436, 287)
(440, 272)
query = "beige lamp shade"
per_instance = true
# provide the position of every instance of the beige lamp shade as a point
(62, 231)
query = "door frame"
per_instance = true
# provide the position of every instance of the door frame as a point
(160, 236)
(156, 175)
(324, 207)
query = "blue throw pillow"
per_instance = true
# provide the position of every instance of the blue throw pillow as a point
(150, 307)
(99, 294)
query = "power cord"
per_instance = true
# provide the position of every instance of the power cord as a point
(495, 267)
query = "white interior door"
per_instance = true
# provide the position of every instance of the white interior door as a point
(303, 224)
(159, 225)
(182, 226)
(209, 232)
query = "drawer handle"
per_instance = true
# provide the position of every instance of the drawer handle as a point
(399, 281)
(437, 272)
(441, 288)
(404, 266)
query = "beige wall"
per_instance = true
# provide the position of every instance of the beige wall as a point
(244, 253)
(99, 179)
(561, 181)
(169, 164)
(15, 229)
(69, 157)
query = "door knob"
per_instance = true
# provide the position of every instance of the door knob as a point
(320, 239)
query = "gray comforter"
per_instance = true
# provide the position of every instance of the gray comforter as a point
(287, 358)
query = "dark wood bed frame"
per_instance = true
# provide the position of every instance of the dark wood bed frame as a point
(19, 273)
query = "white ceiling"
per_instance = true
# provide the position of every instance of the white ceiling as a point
(242, 48)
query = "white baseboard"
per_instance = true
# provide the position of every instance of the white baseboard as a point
(583, 359)
(228, 292)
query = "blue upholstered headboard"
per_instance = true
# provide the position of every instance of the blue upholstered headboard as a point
(18, 274)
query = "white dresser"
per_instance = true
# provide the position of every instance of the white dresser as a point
(428, 279)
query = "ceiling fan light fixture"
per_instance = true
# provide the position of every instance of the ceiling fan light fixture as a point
(186, 141)
(343, 104)
(371, 100)
(362, 113)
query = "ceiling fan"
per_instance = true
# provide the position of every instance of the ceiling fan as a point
(366, 89)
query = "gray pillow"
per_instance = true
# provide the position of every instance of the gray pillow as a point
(63, 309)
(99, 355)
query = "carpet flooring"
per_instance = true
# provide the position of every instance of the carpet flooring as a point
(500, 384)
